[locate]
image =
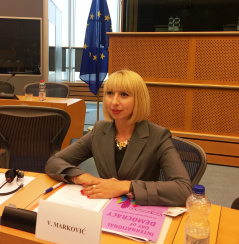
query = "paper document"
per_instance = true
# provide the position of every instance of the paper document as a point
(70, 195)
(12, 186)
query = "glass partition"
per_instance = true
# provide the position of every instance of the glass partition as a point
(193, 15)
(20, 45)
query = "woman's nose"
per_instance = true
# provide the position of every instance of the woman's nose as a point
(115, 99)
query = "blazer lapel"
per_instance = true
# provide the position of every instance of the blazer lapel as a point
(108, 142)
(135, 147)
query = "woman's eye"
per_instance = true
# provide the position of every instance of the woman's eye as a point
(124, 94)
(109, 93)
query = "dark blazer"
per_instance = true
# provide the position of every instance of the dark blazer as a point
(150, 149)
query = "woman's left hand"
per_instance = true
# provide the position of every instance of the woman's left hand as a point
(106, 188)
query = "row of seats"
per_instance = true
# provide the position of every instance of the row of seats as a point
(53, 89)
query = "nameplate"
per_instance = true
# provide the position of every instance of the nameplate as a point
(62, 224)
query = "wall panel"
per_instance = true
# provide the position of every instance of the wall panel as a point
(193, 81)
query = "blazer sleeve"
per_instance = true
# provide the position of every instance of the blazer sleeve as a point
(177, 185)
(64, 163)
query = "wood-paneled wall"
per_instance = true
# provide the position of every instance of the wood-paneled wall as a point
(81, 90)
(193, 81)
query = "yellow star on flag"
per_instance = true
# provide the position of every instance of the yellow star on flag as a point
(95, 57)
(102, 56)
(89, 54)
(99, 14)
(91, 16)
(85, 46)
(107, 18)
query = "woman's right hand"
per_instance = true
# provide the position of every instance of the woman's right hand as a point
(81, 179)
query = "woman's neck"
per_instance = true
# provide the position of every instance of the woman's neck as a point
(124, 131)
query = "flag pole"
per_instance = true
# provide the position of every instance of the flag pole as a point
(94, 62)
(98, 107)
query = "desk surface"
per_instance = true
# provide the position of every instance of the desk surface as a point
(76, 108)
(224, 221)
(63, 100)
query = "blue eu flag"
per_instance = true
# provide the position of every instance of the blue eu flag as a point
(94, 64)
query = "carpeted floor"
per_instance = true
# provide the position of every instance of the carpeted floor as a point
(221, 183)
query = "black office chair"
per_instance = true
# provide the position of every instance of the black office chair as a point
(235, 204)
(53, 89)
(6, 87)
(29, 135)
(193, 157)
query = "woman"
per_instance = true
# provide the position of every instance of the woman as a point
(128, 150)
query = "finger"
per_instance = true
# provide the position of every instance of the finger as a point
(89, 190)
(94, 195)
(113, 179)
(88, 183)
(91, 183)
(91, 186)
(97, 196)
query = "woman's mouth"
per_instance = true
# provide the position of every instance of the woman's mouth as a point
(115, 111)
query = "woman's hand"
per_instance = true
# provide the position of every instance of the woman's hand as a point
(105, 188)
(81, 179)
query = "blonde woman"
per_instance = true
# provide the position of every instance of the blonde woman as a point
(128, 150)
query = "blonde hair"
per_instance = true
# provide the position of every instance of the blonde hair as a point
(129, 81)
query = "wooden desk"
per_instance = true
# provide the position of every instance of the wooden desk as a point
(224, 221)
(76, 108)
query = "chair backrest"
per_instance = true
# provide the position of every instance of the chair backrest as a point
(53, 89)
(6, 87)
(193, 157)
(29, 135)
(235, 204)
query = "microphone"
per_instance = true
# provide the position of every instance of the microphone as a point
(12, 74)
(20, 219)
(10, 175)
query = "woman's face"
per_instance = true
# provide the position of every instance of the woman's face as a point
(119, 104)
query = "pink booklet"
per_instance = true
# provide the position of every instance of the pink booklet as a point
(123, 217)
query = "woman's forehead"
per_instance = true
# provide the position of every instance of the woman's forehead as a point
(120, 90)
(119, 86)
